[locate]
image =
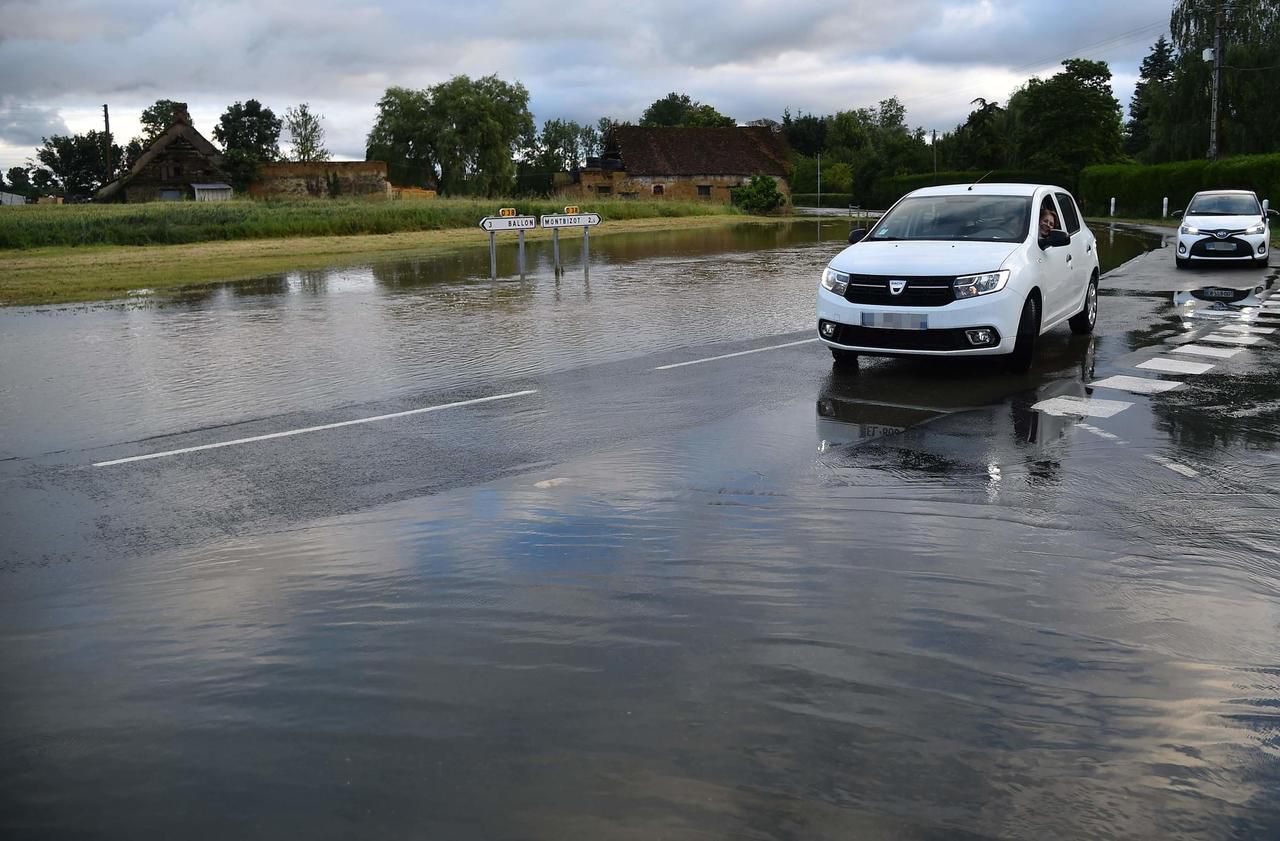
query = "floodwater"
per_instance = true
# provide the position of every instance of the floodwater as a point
(892, 604)
(80, 376)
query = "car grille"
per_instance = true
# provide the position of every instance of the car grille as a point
(1240, 248)
(885, 339)
(920, 291)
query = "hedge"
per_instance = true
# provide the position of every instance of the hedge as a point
(886, 191)
(1140, 190)
(828, 199)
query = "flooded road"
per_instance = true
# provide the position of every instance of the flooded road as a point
(690, 584)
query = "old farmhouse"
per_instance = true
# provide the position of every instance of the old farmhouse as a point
(179, 164)
(682, 163)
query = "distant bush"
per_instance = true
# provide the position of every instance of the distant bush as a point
(1140, 190)
(156, 223)
(828, 199)
(760, 196)
(886, 191)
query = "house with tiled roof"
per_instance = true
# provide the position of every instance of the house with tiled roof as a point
(685, 163)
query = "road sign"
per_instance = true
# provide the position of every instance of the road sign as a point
(565, 220)
(571, 209)
(509, 223)
(506, 211)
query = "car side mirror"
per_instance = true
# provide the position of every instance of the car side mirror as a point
(1056, 239)
(1175, 214)
(857, 235)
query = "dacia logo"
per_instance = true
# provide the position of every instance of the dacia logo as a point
(896, 287)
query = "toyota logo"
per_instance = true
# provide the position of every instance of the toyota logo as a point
(1221, 234)
(896, 287)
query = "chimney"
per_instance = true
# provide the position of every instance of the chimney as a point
(180, 113)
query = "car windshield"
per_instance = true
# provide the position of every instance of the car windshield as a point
(1224, 205)
(967, 217)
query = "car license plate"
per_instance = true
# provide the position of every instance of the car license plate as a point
(1218, 293)
(1220, 246)
(895, 320)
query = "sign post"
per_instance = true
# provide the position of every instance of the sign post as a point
(571, 218)
(506, 220)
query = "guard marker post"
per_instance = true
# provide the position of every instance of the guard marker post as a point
(506, 220)
(1113, 205)
(571, 218)
(1164, 208)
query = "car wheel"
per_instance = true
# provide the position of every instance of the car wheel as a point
(1083, 321)
(1180, 263)
(1024, 348)
(844, 358)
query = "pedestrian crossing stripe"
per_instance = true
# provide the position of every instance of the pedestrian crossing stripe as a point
(1174, 366)
(1081, 407)
(1205, 350)
(1138, 385)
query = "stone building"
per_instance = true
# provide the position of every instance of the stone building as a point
(322, 179)
(683, 163)
(179, 164)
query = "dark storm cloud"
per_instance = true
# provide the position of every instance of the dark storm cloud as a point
(25, 125)
(749, 58)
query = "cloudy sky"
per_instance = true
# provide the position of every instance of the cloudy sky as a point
(60, 60)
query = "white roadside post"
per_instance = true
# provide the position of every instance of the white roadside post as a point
(506, 220)
(571, 218)
(1113, 205)
(1164, 208)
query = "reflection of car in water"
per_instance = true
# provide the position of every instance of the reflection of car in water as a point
(1223, 226)
(962, 271)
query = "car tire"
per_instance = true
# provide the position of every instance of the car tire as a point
(1024, 347)
(1180, 263)
(844, 359)
(1082, 322)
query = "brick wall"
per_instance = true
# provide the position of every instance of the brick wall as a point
(618, 184)
(322, 180)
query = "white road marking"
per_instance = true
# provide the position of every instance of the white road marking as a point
(1180, 469)
(1081, 407)
(1246, 328)
(1138, 385)
(1101, 433)
(1204, 350)
(731, 355)
(307, 429)
(1224, 339)
(1174, 366)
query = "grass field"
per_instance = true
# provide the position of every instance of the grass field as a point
(172, 223)
(67, 274)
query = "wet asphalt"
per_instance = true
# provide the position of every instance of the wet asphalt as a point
(718, 589)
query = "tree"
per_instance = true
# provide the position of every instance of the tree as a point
(400, 137)
(563, 145)
(1155, 80)
(1068, 121)
(306, 135)
(806, 134)
(250, 136)
(981, 141)
(157, 118)
(19, 180)
(677, 109)
(759, 196)
(75, 164)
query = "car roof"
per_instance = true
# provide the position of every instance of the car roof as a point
(983, 189)
(1227, 193)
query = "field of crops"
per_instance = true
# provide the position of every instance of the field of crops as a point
(33, 226)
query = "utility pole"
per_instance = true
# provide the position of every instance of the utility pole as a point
(1217, 80)
(106, 153)
(819, 179)
(934, 144)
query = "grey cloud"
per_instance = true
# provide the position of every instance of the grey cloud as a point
(26, 125)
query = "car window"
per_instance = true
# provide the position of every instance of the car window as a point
(1069, 215)
(983, 218)
(1224, 205)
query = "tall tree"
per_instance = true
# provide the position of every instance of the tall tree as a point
(1155, 79)
(19, 180)
(250, 136)
(678, 109)
(306, 134)
(1069, 121)
(157, 118)
(805, 133)
(75, 164)
(401, 138)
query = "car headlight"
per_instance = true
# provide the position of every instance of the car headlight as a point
(1187, 229)
(972, 285)
(1259, 228)
(834, 281)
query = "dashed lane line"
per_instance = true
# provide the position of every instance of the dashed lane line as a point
(1176, 467)
(306, 429)
(1137, 385)
(1246, 328)
(1174, 366)
(1224, 339)
(1205, 350)
(731, 355)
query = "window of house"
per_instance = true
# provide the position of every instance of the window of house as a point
(603, 190)
(704, 189)
(658, 189)
(170, 195)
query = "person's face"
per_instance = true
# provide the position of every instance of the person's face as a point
(1046, 222)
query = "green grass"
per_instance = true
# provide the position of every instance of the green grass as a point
(171, 223)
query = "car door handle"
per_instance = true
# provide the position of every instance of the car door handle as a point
(1068, 258)
(1089, 250)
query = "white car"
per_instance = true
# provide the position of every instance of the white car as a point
(961, 270)
(1223, 226)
